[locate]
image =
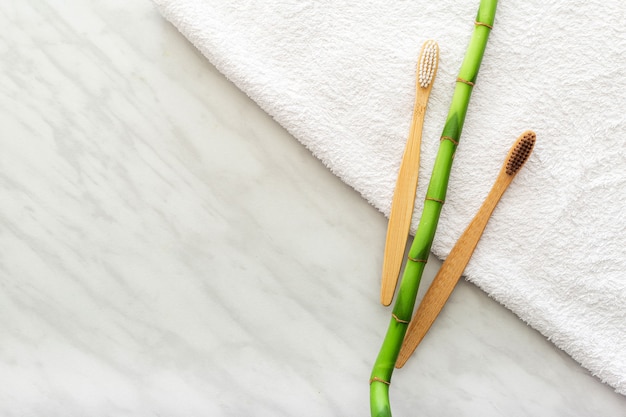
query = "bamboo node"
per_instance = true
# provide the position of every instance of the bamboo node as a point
(417, 260)
(477, 23)
(464, 81)
(455, 142)
(435, 200)
(398, 319)
(377, 379)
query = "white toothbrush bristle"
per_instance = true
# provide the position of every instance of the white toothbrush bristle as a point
(427, 63)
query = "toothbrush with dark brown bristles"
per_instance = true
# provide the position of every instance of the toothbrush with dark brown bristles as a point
(406, 184)
(457, 260)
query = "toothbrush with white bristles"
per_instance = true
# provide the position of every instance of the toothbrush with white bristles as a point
(404, 195)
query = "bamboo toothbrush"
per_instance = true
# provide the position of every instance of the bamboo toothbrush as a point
(404, 195)
(455, 263)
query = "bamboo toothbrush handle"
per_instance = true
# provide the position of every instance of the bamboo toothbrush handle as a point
(403, 200)
(402, 207)
(447, 278)
(459, 256)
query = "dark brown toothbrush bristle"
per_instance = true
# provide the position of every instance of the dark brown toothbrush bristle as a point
(521, 152)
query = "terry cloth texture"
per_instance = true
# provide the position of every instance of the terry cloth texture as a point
(340, 76)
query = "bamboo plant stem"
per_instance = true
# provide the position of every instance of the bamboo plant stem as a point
(435, 197)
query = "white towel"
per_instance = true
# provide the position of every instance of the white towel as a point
(340, 76)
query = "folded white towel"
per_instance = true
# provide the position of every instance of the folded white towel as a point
(340, 76)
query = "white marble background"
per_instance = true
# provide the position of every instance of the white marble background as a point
(166, 249)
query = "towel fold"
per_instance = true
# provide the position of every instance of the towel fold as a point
(340, 76)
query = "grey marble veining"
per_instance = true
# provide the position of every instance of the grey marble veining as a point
(167, 249)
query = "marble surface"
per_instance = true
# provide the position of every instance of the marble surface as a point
(166, 249)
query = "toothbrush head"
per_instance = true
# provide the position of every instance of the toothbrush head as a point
(428, 63)
(520, 152)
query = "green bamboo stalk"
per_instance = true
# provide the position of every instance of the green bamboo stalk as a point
(435, 196)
